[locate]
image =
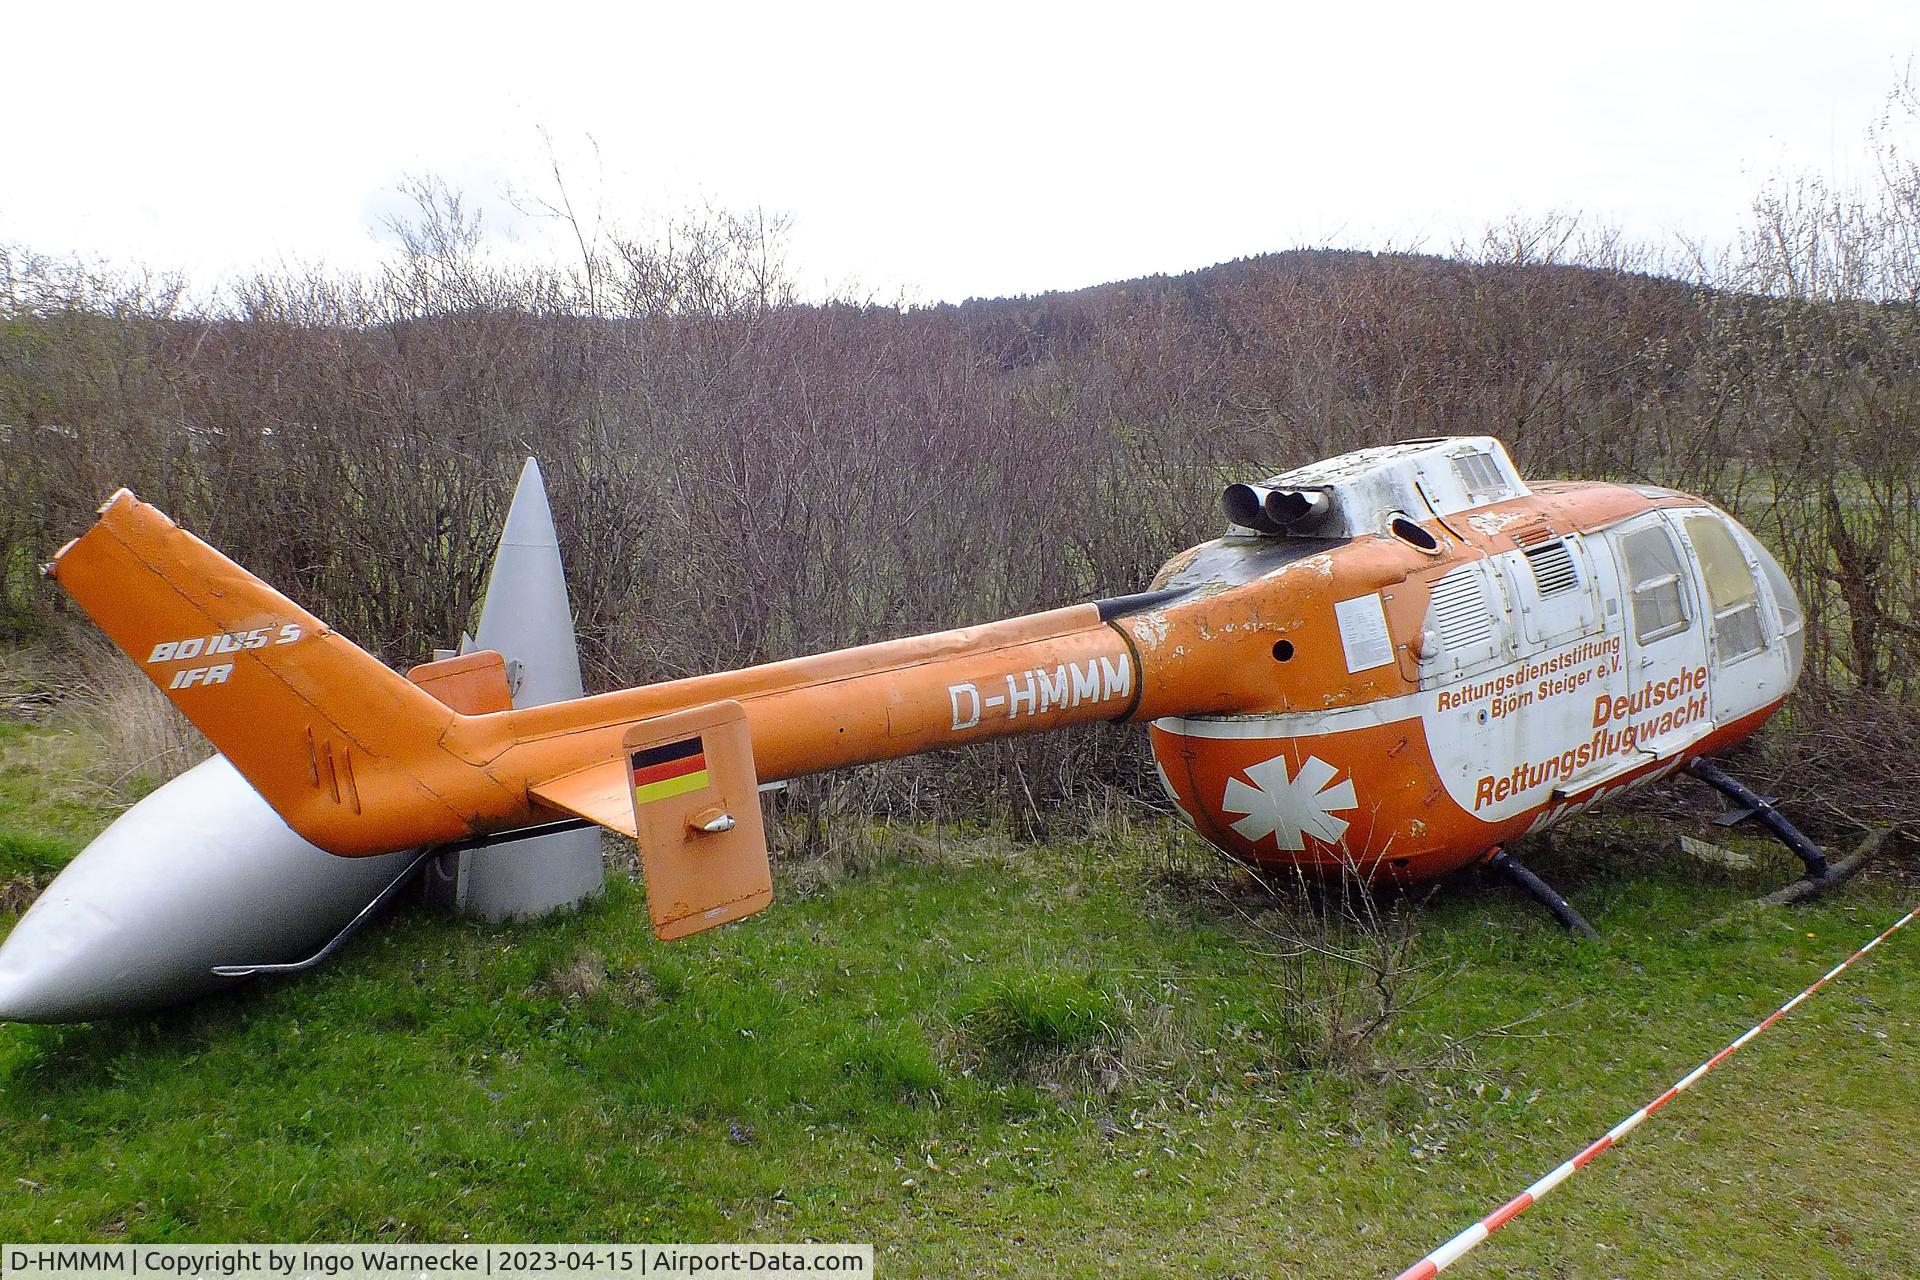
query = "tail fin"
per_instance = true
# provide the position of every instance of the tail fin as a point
(343, 747)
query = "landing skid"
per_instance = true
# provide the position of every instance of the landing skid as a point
(1545, 894)
(1821, 876)
(1751, 805)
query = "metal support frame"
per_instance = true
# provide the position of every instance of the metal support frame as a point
(339, 939)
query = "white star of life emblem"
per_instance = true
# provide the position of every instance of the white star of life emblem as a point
(1289, 808)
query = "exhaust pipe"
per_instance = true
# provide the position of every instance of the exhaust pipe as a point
(1246, 506)
(1297, 508)
(1272, 512)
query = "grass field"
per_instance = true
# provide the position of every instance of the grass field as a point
(1096, 1058)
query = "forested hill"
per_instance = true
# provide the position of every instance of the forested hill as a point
(1287, 288)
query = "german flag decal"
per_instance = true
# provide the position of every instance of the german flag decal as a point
(671, 769)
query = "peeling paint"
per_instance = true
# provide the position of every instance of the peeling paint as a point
(1150, 629)
(1490, 523)
(1321, 565)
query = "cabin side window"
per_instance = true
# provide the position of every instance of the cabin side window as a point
(1653, 572)
(1733, 597)
(1786, 604)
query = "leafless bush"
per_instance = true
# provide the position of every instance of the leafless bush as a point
(1848, 765)
(1344, 969)
(739, 477)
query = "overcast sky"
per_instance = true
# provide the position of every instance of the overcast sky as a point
(944, 150)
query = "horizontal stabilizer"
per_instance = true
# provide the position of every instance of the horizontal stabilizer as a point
(599, 794)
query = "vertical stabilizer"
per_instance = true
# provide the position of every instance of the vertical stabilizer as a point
(527, 619)
(353, 757)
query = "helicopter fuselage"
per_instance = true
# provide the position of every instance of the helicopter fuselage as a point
(1439, 686)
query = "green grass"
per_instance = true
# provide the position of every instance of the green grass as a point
(51, 802)
(992, 1059)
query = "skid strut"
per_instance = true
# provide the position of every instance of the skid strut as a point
(1549, 897)
(1755, 806)
(387, 894)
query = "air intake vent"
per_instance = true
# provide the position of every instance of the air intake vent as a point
(1552, 565)
(1480, 477)
(1531, 532)
(1460, 612)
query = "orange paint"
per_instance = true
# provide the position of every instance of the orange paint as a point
(1294, 684)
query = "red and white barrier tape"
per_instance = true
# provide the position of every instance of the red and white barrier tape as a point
(1450, 1252)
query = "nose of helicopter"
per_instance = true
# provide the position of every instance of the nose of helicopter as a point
(1786, 603)
(200, 873)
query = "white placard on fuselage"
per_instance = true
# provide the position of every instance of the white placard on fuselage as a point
(1363, 632)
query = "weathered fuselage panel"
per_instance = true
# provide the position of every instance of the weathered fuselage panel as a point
(1433, 696)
